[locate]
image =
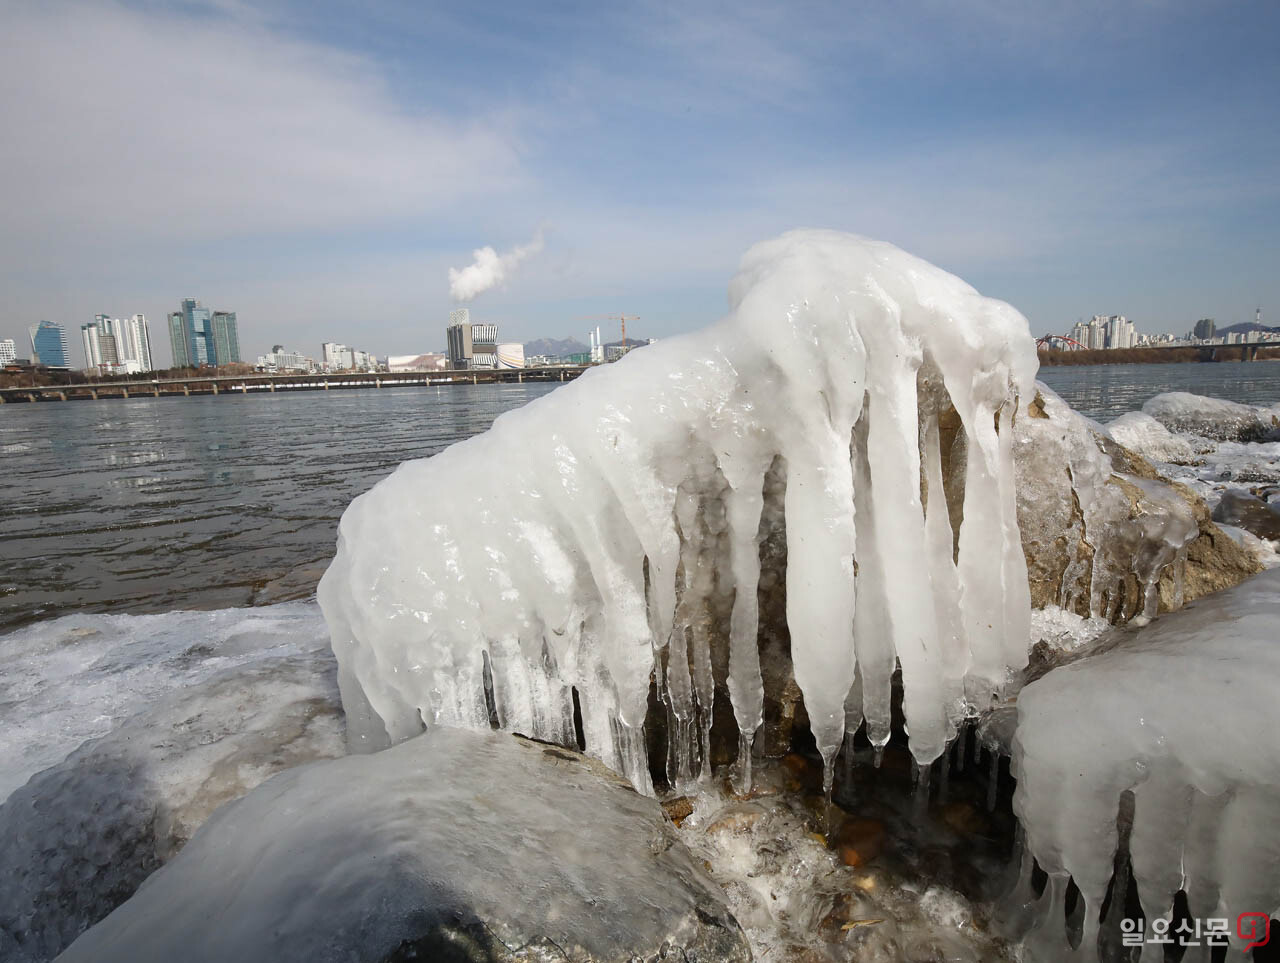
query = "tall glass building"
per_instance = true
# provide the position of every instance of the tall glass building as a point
(49, 345)
(199, 336)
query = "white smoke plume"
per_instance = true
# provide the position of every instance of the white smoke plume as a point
(489, 269)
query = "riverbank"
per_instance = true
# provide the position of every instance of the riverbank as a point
(1216, 352)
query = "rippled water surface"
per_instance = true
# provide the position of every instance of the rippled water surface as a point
(154, 504)
(1105, 391)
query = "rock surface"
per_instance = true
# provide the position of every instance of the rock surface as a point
(1103, 532)
(1246, 510)
(454, 845)
(80, 837)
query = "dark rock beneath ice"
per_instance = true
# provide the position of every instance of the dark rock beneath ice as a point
(1247, 511)
(454, 845)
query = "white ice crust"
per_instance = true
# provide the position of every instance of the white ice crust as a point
(1139, 432)
(587, 532)
(1183, 715)
(80, 676)
(1214, 418)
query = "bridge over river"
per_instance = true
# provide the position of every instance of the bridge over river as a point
(269, 383)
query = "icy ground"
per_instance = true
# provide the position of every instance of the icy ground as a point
(80, 676)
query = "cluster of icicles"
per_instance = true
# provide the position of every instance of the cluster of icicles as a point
(610, 532)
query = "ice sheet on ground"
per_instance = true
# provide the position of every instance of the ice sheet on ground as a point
(81, 836)
(1181, 714)
(480, 843)
(77, 677)
(594, 528)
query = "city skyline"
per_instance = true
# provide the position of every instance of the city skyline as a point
(1095, 157)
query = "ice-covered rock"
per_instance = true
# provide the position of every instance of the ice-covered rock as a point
(80, 837)
(78, 677)
(1141, 433)
(1182, 411)
(1180, 715)
(1104, 534)
(456, 845)
(614, 528)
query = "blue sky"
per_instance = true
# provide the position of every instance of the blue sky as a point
(318, 167)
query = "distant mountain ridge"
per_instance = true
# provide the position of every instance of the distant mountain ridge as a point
(1244, 327)
(554, 347)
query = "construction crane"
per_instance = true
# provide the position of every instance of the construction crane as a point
(624, 318)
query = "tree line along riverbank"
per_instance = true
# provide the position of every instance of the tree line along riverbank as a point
(1216, 352)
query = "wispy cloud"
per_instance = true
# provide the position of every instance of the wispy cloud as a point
(165, 125)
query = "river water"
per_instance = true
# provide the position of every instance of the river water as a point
(149, 505)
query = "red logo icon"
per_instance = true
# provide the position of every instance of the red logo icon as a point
(1255, 928)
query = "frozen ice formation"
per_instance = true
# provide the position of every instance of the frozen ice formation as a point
(1139, 432)
(1102, 539)
(1212, 417)
(610, 532)
(1182, 716)
(452, 846)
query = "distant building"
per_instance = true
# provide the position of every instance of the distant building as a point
(1204, 329)
(509, 355)
(339, 357)
(115, 346)
(49, 345)
(201, 337)
(1105, 331)
(281, 360)
(8, 351)
(417, 362)
(472, 345)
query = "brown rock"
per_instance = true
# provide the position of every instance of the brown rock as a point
(859, 840)
(678, 809)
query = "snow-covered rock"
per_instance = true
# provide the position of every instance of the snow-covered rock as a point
(1181, 714)
(600, 532)
(74, 678)
(454, 845)
(1215, 418)
(80, 837)
(1141, 433)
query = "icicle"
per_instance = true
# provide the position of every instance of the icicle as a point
(920, 805)
(993, 779)
(632, 755)
(742, 781)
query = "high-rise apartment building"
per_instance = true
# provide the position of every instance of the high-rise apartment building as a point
(117, 345)
(8, 351)
(49, 345)
(201, 337)
(1204, 329)
(1105, 331)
